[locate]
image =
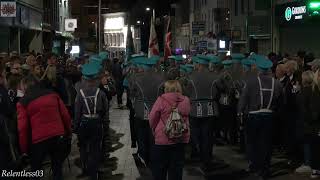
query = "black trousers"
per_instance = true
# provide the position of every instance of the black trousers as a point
(294, 137)
(167, 160)
(259, 142)
(145, 139)
(201, 135)
(90, 141)
(131, 118)
(52, 148)
(119, 89)
(105, 137)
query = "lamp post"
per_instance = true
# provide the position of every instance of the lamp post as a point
(99, 22)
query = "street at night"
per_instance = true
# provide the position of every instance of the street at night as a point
(159, 89)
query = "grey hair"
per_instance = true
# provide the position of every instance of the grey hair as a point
(307, 78)
(292, 65)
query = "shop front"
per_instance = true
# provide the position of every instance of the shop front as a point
(21, 33)
(299, 27)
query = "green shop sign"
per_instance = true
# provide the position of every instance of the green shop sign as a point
(298, 12)
(295, 13)
(314, 8)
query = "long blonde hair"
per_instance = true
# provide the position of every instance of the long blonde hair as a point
(172, 86)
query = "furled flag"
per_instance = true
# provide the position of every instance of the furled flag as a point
(153, 41)
(168, 39)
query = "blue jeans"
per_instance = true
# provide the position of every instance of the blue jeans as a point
(307, 154)
(167, 160)
(314, 152)
(259, 142)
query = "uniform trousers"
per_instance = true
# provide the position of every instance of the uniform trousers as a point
(200, 135)
(259, 142)
(131, 119)
(145, 139)
(90, 140)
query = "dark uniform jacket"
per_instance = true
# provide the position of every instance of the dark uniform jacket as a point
(80, 107)
(250, 99)
(145, 88)
(201, 89)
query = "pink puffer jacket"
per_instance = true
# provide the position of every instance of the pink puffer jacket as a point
(160, 113)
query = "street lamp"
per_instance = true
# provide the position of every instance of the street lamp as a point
(138, 22)
(148, 9)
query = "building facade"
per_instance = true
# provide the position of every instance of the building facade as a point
(23, 33)
(63, 39)
(50, 24)
(208, 17)
(115, 34)
(251, 25)
(180, 25)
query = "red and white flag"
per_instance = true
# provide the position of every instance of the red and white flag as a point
(153, 41)
(168, 40)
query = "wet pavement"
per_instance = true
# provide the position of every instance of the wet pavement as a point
(122, 165)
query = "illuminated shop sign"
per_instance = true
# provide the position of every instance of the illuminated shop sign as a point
(295, 13)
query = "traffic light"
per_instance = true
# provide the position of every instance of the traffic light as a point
(314, 7)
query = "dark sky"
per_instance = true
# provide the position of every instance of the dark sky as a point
(137, 7)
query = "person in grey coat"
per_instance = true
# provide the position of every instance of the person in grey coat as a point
(145, 87)
(203, 109)
(261, 97)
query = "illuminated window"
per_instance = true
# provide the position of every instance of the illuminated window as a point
(114, 23)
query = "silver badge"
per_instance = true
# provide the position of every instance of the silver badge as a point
(199, 110)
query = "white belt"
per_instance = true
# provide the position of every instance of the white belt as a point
(261, 111)
(95, 116)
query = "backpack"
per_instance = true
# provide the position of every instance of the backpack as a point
(175, 127)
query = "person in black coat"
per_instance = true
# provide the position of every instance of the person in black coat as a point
(309, 99)
(291, 109)
(118, 77)
(7, 154)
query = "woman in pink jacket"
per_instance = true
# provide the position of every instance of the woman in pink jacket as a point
(167, 153)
